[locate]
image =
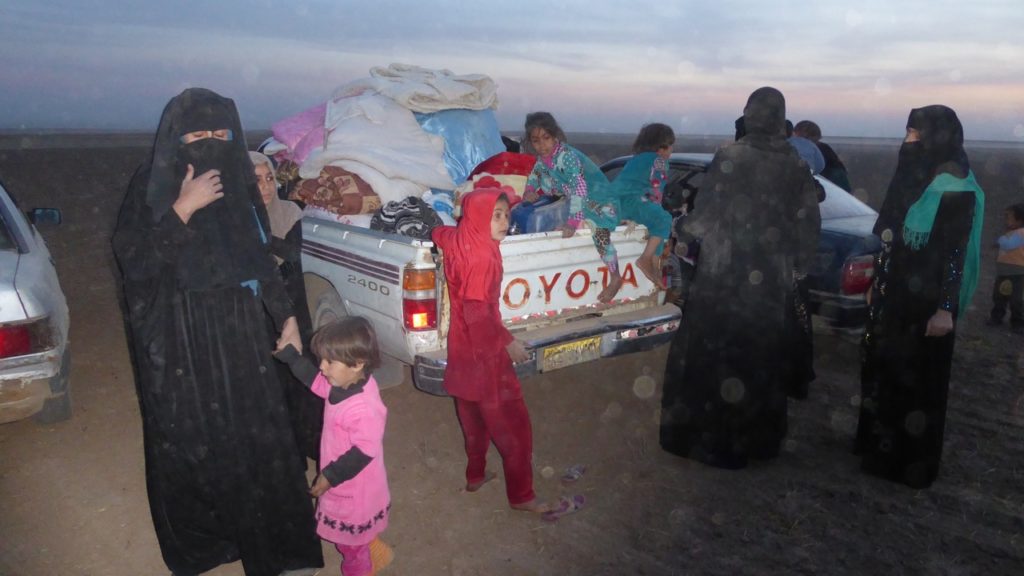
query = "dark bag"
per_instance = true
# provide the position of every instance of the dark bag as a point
(410, 217)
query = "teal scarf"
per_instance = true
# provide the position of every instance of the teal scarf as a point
(917, 226)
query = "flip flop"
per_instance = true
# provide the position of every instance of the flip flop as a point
(573, 473)
(566, 505)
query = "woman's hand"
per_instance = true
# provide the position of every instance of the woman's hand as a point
(517, 351)
(320, 485)
(197, 193)
(568, 231)
(290, 335)
(530, 196)
(940, 324)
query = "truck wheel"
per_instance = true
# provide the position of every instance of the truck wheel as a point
(327, 309)
(325, 305)
(391, 372)
(58, 408)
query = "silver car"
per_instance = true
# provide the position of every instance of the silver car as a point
(34, 352)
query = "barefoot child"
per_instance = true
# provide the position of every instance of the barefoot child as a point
(639, 188)
(352, 486)
(562, 170)
(480, 377)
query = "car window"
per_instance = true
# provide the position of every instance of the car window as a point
(7, 209)
(613, 172)
(839, 203)
(682, 186)
(6, 240)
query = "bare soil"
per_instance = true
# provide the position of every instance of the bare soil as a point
(73, 495)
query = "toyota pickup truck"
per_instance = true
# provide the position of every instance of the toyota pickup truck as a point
(548, 297)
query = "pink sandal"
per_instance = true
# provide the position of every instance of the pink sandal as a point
(566, 505)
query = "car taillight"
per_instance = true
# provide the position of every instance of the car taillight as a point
(419, 300)
(25, 338)
(857, 274)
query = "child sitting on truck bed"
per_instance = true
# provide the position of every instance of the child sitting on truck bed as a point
(562, 170)
(639, 188)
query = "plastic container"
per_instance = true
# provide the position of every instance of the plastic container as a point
(548, 217)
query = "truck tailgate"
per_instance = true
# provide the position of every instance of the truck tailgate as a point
(550, 278)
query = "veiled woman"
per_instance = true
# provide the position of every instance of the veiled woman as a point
(930, 226)
(757, 221)
(223, 476)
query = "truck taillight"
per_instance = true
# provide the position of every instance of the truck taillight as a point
(25, 338)
(857, 274)
(419, 300)
(420, 314)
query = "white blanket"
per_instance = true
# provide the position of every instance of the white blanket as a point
(376, 138)
(426, 90)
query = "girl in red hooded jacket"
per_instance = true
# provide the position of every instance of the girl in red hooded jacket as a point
(480, 376)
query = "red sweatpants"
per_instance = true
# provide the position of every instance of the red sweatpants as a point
(507, 424)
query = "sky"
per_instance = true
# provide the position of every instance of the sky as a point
(856, 68)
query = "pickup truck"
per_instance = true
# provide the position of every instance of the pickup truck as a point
(548, 297)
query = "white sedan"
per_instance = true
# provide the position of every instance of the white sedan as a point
(34, 351)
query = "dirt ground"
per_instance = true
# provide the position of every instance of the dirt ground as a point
(73, 496)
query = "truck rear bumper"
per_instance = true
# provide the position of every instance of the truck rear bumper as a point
(599, 337)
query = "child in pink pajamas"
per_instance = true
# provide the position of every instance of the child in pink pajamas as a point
(352, 486)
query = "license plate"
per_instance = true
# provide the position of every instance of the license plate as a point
(570, 353)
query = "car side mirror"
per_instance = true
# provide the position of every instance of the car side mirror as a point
(44, 216)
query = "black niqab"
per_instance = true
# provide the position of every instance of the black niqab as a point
(939, 149)
(223, 475)
(233, 229)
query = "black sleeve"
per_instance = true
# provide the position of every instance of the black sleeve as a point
(808, 223)
(301, 366)
(273, 293)
(142, 245)
(952, 226)
(346, 467)
(288, 248)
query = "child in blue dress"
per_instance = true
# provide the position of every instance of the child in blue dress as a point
(639, 188)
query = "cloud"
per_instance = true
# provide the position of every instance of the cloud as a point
(106, 64)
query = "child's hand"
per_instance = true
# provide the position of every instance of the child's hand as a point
(517, 351)
(568, 231)
(320, 485)
(197, 193)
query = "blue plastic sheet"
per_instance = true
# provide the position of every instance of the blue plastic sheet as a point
(470, 136)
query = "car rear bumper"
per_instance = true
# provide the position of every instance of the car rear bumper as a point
(26, 382)
(615, 335)
(844, 315)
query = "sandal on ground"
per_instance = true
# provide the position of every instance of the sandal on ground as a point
(566, 505)
(573, 473)
(381, 555)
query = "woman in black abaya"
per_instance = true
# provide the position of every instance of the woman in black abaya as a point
(724, 398)
(930, 226)
(223, 476)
